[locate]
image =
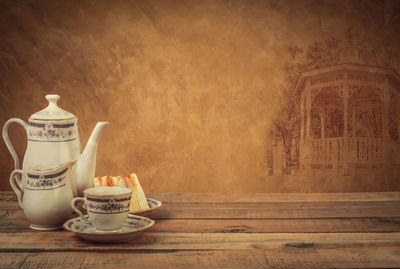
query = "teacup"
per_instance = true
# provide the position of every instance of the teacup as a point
(107, 207)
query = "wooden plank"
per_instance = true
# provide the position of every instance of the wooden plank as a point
(279, 225)
(8, 201)
(18, 223)
(282, 205)
(268, 210)
(277, 211)
(7, 195)
(344, 257)
(275, 197)
(286, 257)
(282, 210)
(285, 209)
(12, 260)
(65, 241)
(257, 197)
(225, 233)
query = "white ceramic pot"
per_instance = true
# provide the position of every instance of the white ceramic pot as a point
(45, 196)
(53, 139)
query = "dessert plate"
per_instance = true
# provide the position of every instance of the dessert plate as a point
(153, 204)
(133, 226)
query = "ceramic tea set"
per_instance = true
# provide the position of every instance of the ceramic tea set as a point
(55, 169)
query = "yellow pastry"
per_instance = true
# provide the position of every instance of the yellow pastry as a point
(106, 181)
(138, 200)
(138, 193)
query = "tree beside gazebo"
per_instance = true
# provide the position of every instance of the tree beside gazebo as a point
(285, 132)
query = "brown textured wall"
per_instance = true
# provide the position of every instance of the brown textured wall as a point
(190, 88)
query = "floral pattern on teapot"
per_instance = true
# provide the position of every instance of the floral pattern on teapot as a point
(45, 184)
(52, 132)
(49, 182)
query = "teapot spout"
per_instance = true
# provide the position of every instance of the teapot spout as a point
(83, 171)
(95, 136)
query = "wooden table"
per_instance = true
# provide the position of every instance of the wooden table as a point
(358, 230)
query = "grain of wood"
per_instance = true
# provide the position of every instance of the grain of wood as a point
(226, 231)
(340, 257)
(264, 210)
(309, 210)
(371, 205)
(287, 257)
(65, 241)
(18, 223)
(275, 197)
(279, 225)
(12, 260)
(179, 259)
(258, 197)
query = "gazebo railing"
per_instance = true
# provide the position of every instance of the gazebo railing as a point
(362, 152)
(327, 152)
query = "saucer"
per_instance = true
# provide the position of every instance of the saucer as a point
(153, 204)
(133, 226)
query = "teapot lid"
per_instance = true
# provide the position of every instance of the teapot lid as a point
(52, 111)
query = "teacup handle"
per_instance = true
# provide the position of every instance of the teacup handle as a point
(77, 210)
(16, 184)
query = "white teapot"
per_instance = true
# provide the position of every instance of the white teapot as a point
(53, 139)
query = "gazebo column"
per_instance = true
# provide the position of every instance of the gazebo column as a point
(398, 116)
(308, 108)
(385, 128)
(397, 105)
(302, 116)
(345, 129)
(306, 148)
(353, 118)
(322, 123)
(353, 157)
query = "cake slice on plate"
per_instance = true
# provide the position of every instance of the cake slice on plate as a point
(138, 200)
(105, 181)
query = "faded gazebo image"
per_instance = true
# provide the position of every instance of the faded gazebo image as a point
(349, 118)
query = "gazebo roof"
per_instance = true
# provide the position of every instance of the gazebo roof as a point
(390, 73)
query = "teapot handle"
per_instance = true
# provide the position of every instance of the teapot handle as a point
(7, 139)
(16, 184)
